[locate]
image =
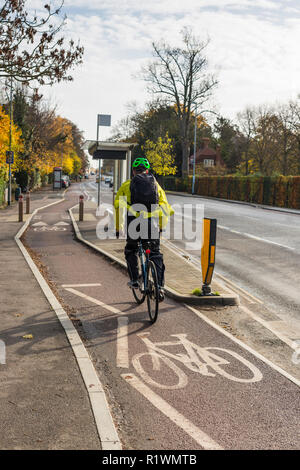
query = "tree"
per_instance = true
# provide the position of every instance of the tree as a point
(17, 144)
(265, 145)
(230, 141)
(30, 49)
(246, 126)
(160, 156)
(178, 74)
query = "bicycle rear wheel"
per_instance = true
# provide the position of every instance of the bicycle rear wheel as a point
(152, 292)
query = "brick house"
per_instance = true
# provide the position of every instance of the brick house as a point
(207, 157)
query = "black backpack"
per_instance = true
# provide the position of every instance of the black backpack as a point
(143, 189)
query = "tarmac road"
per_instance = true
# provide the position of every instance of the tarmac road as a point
(257, 249)
(201, 390)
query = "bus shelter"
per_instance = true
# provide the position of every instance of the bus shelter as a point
(120, 152)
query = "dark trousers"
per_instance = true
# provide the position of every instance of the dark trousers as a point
(153, 243)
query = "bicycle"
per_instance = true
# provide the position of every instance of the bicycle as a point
(148, 282)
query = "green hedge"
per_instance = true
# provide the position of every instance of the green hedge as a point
(280, 191)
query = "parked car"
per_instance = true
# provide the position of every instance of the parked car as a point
(65, 181)
(108, 179)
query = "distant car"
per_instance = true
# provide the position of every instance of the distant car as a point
(107, 180)
(65, 181)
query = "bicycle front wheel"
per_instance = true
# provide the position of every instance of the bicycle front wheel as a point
(152, 292)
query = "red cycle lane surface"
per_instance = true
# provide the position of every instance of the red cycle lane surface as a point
(196, 389)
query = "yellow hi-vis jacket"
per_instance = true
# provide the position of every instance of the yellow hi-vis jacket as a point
(123, 203)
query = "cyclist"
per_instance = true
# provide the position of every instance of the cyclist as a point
(134, 196)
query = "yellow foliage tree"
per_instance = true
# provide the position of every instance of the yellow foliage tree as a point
(160, 156)
(16, 142)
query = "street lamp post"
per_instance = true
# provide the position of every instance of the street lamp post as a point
(102, 120)
(194, 161)
(10, 143)
(99, 168)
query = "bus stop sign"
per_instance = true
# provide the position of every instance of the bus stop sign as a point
(109, 155)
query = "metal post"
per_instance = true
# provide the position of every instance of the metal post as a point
(123, 171)
(99, 181)
(10, 141)
(116, 178)
(128, 164)
(194, 161)
(27, 202)
(21, 208)
(81, 208)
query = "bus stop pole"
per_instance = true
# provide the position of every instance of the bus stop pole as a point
(99, 170)
(128, 164)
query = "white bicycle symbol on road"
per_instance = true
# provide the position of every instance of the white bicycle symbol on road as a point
(195, 358)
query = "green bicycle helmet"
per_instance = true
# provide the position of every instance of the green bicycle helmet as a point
(140, 161)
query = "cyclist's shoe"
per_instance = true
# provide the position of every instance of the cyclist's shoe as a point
(133, 284)
(161, 295)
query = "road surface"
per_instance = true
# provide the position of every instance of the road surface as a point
(179, 384)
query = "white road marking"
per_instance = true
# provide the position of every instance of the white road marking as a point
(254, 237)
(198, 359)
(244, 345)
(39, 224)
(81, 285)
(49, 228)
(244, 234)
(122, 343)
(122, 334)
(96, 301)
(61, 223)
(193, 431)
(268, 325)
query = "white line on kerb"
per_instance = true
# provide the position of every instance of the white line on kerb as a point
(199, 436)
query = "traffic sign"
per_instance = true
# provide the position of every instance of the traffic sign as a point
(9, 157)
(104, 120)
(109, 155)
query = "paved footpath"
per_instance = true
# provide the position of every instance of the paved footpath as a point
(43, 400)
(181, 383)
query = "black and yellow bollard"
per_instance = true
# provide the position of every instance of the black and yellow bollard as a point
(208, 253)
(80, 208)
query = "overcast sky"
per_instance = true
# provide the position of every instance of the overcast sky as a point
(254, 51)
